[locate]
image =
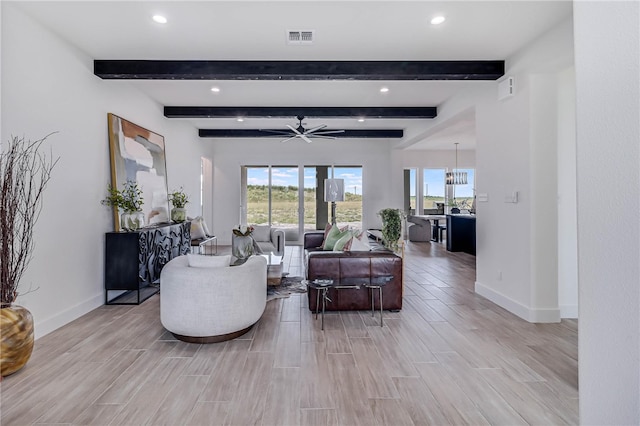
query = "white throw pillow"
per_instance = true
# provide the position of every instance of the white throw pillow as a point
(200, 261)
(360, 244)
(205, 227)
(197, 230)
(261, 233)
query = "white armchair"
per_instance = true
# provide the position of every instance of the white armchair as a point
(204, 300)
(269, 239)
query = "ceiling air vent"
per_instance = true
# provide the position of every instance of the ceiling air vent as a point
(299, 36)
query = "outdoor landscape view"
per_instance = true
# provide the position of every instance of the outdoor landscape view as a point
(285, 196)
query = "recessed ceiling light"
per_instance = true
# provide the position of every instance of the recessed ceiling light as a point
(215, 89)
(160, 19)
(360, 120)
(240, 119)
(437, 20)
(384, 89)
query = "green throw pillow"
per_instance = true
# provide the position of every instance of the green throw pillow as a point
(342, 242)
(332, 238)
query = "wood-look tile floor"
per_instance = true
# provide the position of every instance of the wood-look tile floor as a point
(449, 357)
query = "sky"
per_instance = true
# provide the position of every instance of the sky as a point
(288, 176)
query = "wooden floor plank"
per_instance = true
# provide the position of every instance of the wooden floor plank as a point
(248, 404)
(223, 381)
(283, 398)
(352, 407)
(376, 382)
(316, 390)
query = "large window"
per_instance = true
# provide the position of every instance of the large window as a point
(434, 188)
(292, 197)
(349, 211)
(272, 196)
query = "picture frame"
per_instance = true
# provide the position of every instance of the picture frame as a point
(138, 154)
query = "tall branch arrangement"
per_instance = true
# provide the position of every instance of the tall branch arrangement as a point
(24, 174)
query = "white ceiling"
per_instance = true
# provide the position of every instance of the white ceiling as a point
(343, 30)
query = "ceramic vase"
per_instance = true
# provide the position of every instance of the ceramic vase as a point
(178, 214)
(16, 338)
(131, 221)
(242, 247)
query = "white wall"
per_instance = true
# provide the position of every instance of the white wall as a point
(49, 86)
(517, 151)
(438, 159)
(567, 202)
(378, 174)
(608, 160)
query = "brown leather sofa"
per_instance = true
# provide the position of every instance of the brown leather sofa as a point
(347, 266)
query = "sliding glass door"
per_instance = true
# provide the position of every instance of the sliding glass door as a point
(271, 196)
(292, 197)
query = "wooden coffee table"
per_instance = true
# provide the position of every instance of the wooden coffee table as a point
(274, 268)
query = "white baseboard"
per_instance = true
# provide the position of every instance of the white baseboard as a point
(569, 311)
(42, 328)
(517, 308)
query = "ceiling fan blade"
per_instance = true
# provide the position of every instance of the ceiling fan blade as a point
(305, 138)
(288, 139)
(328, 132)
(316, 135)
(294, 130)
(275, 132)
(308, 131)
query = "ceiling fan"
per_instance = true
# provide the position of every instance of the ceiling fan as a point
(304, 134)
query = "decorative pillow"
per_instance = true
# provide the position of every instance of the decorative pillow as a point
(205, 227)
(332, 237)
(200, 261)
(343, 241)
(197, 229)
(359, 245)
(327, 228)
(261, 233)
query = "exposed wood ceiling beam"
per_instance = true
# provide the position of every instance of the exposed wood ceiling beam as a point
(256, 133)
(298, 70)
(326, 112)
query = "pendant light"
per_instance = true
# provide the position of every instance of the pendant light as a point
(456, 177)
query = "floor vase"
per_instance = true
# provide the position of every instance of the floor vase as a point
(16, 338)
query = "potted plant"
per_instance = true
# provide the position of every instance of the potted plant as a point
(391, 227)
(130, 201)
(179, 200)
(24, 174)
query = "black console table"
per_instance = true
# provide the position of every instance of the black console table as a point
(133, 260)
(461, 233)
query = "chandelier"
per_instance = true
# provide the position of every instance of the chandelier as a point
(456, 177)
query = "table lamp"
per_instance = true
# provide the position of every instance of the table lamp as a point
(333, 191)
